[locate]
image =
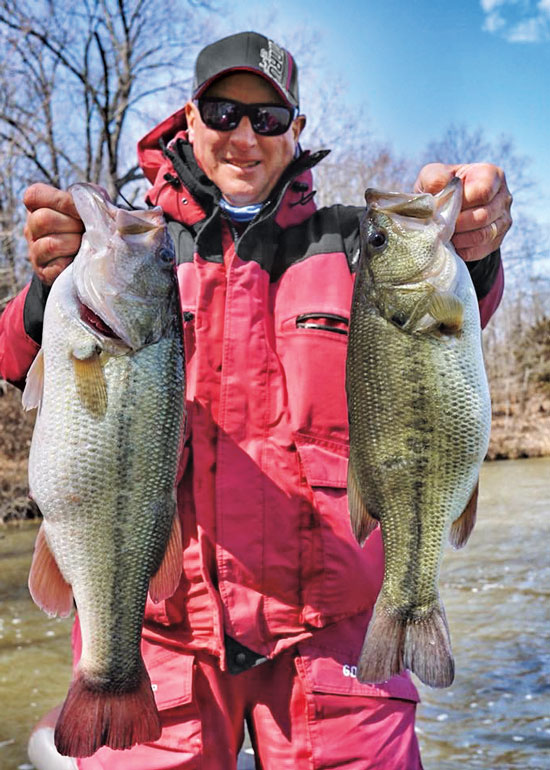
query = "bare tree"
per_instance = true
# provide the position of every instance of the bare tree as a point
(78, 75)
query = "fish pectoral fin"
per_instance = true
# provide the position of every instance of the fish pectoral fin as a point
(91, 385)
(362, 523)
(448, 310)
(462, 527)
(34, 386)
(47, 586)
(166, 579)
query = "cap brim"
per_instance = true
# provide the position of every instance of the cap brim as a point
(254, 70)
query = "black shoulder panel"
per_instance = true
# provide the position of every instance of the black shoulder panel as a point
(184, 242)
(484, 272)
(332, 229)
(33, 311)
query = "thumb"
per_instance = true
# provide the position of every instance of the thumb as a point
(433, 177)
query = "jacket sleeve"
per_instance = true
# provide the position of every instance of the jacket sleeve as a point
(21, 331)
(488, 278)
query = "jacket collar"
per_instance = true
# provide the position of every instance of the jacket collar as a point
(165, 150)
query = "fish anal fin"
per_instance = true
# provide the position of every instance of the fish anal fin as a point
(166, 579)
(91, 385)
(461, 528)
(47, 586)
(362, 523)
(93, 716)
(448, 310)
(34, 386)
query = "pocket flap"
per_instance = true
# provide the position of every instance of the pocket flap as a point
(171, 673)
(330, 672)
(325, 462)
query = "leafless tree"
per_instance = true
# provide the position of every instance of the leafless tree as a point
(81, 76)
(79, 83)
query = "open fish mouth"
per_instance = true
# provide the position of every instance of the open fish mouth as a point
(92, 320)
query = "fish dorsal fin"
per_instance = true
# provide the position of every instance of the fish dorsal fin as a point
(461, 528)
(34, 386)
(362, 523)
(166, 579)
(90, 381)
(448, 310)
(48, 588)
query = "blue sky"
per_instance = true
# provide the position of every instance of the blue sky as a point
(418, 66)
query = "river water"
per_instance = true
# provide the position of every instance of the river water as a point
(496, 592)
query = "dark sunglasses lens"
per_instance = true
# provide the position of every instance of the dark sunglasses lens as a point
(268, 120)
(221, 116)
(271, 120)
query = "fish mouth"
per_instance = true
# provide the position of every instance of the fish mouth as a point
(92, 320)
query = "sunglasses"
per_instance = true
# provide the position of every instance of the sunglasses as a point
(226, 114)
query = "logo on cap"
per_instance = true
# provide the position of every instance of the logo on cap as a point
(273, 61)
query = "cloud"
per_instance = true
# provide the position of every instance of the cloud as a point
(517, 21)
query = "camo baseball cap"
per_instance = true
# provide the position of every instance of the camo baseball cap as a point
(248, 52)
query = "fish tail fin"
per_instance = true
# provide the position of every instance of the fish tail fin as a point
(382, 653)
(92, 717)
(394, 643)
(428, 650)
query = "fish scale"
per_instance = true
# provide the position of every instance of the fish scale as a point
(419, 413)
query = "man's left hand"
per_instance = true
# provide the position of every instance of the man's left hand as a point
(485, 216)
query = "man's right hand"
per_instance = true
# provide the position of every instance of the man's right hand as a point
(53, 230)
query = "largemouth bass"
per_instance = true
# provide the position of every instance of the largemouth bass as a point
(108, 384)
(419, 413)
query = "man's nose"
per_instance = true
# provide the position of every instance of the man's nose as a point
(244, 133)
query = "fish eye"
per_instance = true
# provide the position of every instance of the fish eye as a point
(166, 255)
(377, 239)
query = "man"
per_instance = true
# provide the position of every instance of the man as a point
(268, 620)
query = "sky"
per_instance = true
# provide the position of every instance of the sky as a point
(418, 66)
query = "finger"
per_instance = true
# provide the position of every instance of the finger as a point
(481, 183)
(50, 247)
(43, 196)
(45, 221)
(477, 244)
(433, 177)
(482, 216)
(53, 269)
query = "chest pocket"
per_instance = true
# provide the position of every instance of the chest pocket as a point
(313, 348)
(328, 322)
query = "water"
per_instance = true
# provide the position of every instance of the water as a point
(496, 591)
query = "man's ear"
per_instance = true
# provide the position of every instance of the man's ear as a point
(191, 116)
(298, 126)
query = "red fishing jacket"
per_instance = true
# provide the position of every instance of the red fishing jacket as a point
(269, 556)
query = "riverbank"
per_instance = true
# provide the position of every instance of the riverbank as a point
(520, 428)
(520, 424)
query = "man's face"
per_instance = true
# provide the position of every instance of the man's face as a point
(244, 165)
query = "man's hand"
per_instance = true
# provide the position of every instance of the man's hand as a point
(486, 201)
(53, 230)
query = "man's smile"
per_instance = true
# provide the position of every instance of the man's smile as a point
(242, 164)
